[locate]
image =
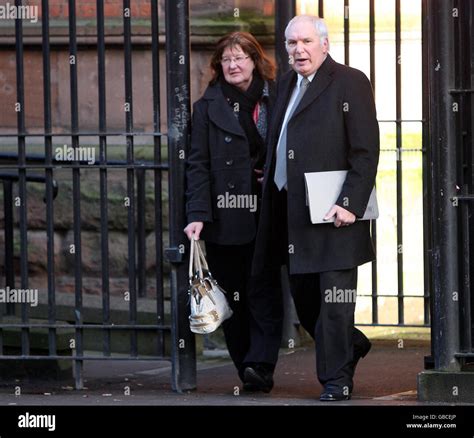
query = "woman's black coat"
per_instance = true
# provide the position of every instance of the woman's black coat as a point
(219, 168)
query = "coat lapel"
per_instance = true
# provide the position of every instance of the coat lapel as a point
(220, 112)
(288, 82)
(285, 88)
(321, 81)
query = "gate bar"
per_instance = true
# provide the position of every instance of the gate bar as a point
(373, 224)
(20, 89)
(127, 41)
(426, 160)
(399, 156)
(155, 55)
(141, 232)
(284, 12)
(346, 32)
(76, 195)
(445, 327)
(104, 211)
(178, 78)
(464, 148)
(48, 153)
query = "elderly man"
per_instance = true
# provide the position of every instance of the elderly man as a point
(324, 120)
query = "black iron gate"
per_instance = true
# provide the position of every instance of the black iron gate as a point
(18, 168)
(451, 166)
(173, 338)
(448, 377)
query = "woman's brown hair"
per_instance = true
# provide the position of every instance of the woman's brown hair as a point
(264, 65)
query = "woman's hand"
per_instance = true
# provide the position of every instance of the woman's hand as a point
(259, 173)
(194, 230)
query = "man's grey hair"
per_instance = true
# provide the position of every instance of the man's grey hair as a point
(319, 25)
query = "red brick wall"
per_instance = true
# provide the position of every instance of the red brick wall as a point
(142, 8)
(87, 8)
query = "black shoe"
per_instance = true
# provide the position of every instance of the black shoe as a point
(334, 396)
(360, 351)
(258, 378)
(335, 393)
(248, 387)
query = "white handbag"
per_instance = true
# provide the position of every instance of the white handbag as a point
(209, 306)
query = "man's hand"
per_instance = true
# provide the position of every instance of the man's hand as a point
(194, 230)
(343, 217)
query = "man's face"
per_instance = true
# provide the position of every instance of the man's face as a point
(306, 50)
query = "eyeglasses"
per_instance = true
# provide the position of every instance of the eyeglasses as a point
(239, 60)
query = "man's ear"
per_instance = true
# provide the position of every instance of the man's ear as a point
(325, 44)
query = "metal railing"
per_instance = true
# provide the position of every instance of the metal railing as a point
(452, 185)
(182, 353)
(182, 349)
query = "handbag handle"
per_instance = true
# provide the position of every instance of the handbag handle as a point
(196, 260)
(202, 260)
(191, 260)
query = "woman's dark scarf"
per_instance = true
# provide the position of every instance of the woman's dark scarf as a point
(246, 102)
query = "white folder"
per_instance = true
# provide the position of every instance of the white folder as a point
(323, 190)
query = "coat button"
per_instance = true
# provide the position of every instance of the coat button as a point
(231, 185)
(229, 162)
(228, 139)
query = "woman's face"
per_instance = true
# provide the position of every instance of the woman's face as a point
(237, 67)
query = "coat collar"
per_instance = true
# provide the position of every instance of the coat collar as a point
(220, 112)
(320, 82)
(286, 85)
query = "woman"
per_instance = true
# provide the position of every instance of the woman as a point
(224, 173)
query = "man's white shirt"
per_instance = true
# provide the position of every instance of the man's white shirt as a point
(291, 103)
